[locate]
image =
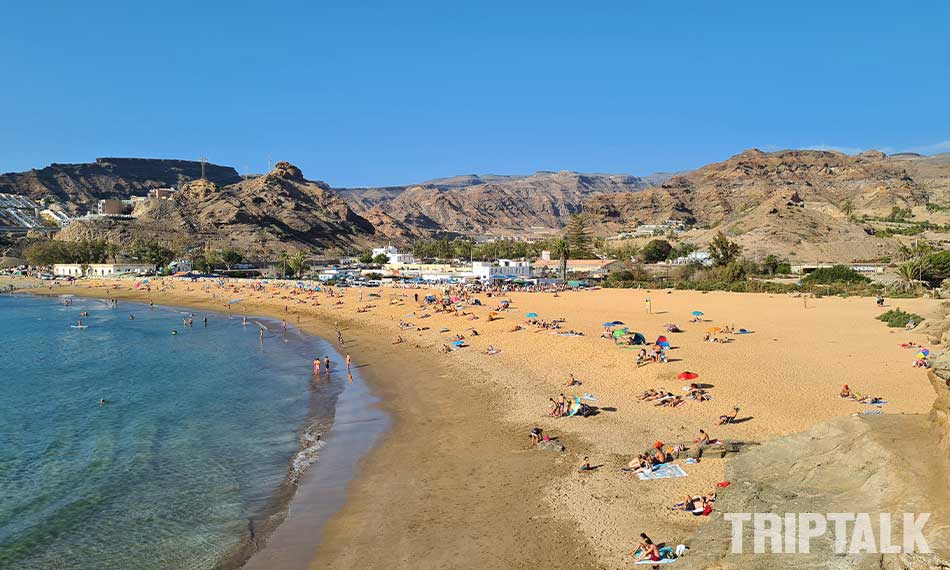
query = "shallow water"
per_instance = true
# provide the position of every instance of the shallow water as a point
(199, 431)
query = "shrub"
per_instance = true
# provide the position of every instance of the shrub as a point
(898, 318)
(836, 274)
(656, 250)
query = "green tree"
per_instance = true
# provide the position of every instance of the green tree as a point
(723, 251)
(231, 257)
(655, 251)
(381, 259)
(578, 235)
(366, 258)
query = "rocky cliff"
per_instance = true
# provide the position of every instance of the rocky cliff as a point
(792, 202)
(490, 203)
(80, 185)
(279, 211)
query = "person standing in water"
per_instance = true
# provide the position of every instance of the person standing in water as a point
(261, 336)
(316, 366)
(348, 360)
(326, 363)
(206, 322)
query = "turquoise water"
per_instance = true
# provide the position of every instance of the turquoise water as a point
(199, 432)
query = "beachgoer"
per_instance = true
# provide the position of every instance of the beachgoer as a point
(316, 366)
(703, 438)
(348, 360)
(261, 335)
(730, 418)
(536, 434)
(585, 466)
(326, 363)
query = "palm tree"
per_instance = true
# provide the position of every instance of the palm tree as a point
(910, 274)
(297, 263)
(562, 249)
(284, 259)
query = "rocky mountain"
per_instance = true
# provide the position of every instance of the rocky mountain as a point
(481, 204)
(79, 186)
(795, 201)
(279, 211)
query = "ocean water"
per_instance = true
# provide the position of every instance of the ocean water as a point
(200, 432)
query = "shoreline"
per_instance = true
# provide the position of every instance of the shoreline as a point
(263, 525)
(453, 484)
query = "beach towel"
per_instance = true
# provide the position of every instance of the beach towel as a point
(666, 556)
(871, 412)
(663, 471)
(575, 407)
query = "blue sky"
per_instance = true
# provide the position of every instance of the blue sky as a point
(372, 93)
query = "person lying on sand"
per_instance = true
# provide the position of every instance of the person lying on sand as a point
(572, 381)
(516, 328)
(398, 340)
(647, 394)
(729, 418)
(492, 350)
(671, 402)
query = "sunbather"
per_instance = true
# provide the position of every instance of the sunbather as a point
(729, 418)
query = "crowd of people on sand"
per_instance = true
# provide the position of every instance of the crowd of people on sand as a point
(474, 302)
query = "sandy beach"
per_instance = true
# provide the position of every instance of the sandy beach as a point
(456, 484)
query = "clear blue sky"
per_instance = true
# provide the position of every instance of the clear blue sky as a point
(371, 93)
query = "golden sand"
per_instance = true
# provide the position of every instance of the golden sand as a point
(785, 376)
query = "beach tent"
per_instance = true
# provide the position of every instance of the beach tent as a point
(638, 338)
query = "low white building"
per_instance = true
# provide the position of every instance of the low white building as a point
(393, 254)
(501, 269)
(102, 269)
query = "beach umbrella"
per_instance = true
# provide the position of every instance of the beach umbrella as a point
(532, 315)
(923, 353)
(613, 323)
(688, 376)
(697, 313)
(620, 332)
(713, 329)
(458, 342)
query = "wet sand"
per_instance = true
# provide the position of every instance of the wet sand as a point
(453, 484)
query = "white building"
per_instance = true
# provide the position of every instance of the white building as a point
(393, 254)
(102, 269)
(501, 269)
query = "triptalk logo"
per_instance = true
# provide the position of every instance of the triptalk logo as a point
(854, 533)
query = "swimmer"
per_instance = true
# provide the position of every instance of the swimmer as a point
(102, 402)
(131, 317)
(326, 363)
(174, 332)
(348, 360)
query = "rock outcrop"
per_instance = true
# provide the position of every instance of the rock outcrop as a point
(79, 186)
(279, 211)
